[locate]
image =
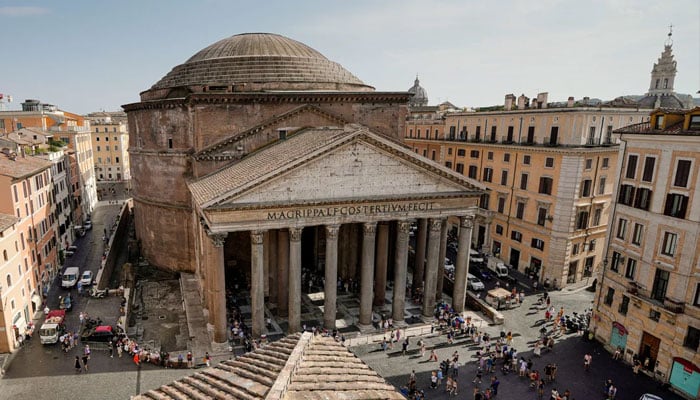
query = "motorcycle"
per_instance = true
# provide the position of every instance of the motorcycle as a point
(98, 294)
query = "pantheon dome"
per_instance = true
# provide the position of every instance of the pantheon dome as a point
(258, 62)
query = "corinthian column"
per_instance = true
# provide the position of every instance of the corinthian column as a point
(331, 288)
(216, 283)
(381, 265)
(435, 226)
(441, 263)
(294, 279)
(460, 287)
(419, 270)
(400, 267)
(257, 282)
(368, 238)
(283, 272)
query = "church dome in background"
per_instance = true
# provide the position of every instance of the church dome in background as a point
(420, 96)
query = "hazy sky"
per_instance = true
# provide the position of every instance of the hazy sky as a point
(92, 55)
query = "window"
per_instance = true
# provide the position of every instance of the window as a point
(541, 216)
(597, 213)
(448, 164)
(637, 234)
(574, 249)
(98, 148)
(449, 151)
(682, 173)
(501, 204)
(582, 220)
(631, 166)
(616, 261)
(642, 200)
(537, 243)
(586, 187)
(526, 159)
(624, 305)
(589, 163)
(489, 155)
(692, 338)
(601, 185)
(509, 138)
(499, 229)
(460, 168)
(432, 155)
(474, 154)
(523, 181)
(520, 210)
(606, 162)
(517, 236)
(461, 152)
(658, 291)
(696, 301)
(669, 245)
(654, 315)
(493, 133)
(621, 228)
(4, 255)
(506, 157)
(553, 135)
(9, 281)
(473, 171)
(648, 174)
(626, 195)
(546, 184)
(693, 126)
(631, 268)
(591, 245)
(484, 201)
(609, 296)
(504, 177)
(488, 174)
(676, 205)
(549, 162)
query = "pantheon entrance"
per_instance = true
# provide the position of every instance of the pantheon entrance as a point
(333, 201)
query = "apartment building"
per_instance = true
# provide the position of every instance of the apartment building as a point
(13, 299)
(26, 194)
(648, 302)
(110, 144)
(549, 168)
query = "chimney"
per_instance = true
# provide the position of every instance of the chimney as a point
(542, 100)
(510, 99)
(570, 102)
(522, 102)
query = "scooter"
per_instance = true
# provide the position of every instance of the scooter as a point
(98, 294)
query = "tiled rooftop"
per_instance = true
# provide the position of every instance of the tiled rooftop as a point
(6, 221)
(21, 166)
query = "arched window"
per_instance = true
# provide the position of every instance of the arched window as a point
(665, 83)
(4, 254)
(9, 280)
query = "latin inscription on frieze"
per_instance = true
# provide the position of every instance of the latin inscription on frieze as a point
(321, 212)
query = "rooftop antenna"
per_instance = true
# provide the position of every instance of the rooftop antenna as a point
(669, 40)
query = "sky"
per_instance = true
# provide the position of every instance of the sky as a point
(92, 55)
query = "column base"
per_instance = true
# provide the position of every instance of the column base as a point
(400, 324)
(366, 328)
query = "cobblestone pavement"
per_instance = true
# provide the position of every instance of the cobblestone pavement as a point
(525, 323)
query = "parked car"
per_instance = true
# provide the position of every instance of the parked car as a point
(481, 273)
(101, 333)
(86, 278)
(473, 283)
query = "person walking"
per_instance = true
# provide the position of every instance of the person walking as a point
(189, 359)
(111, 349)
(587, 359)
(85, 362)
(494, 385)
(404, 346)
(78, 367)
(207, 359)
(421, 343)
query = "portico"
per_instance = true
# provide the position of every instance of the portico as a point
(322, 197)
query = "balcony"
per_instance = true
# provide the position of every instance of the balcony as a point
(669, 304)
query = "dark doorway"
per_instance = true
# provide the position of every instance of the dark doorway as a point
(480, 237)
(514, 260)
(649, 351)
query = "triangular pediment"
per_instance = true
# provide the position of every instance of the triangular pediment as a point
(326, 165)
(298, 117)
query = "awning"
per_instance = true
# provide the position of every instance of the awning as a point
(620, 328)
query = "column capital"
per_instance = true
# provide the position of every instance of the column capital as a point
(435, 224)
(332, 231)
(218, 238)
(467, 221)
(295, 234)
(403, 226)
(369, 228)
(256, 237)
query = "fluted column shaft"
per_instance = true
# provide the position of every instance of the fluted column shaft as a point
(257, 282)
(400, 267)
(273, 277)
(331, 286)
(283, 272)
(367, 274)
(294, 279)
(216, 282)
(435, 226)
(462, 267)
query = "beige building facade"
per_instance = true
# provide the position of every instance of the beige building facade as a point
(648, 304)
(284, 164)
(110, 144)
(549, 168)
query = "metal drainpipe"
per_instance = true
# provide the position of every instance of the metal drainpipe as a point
(512, 196)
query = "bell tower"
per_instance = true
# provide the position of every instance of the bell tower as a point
(664, 72)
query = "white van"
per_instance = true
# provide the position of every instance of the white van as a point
(473, 283)
(70, 277)
(475, 257)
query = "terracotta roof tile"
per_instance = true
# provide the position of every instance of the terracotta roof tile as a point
(22, 166)
(7, 220)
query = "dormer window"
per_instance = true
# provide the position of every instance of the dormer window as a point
(659, 122)
(694, 123)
